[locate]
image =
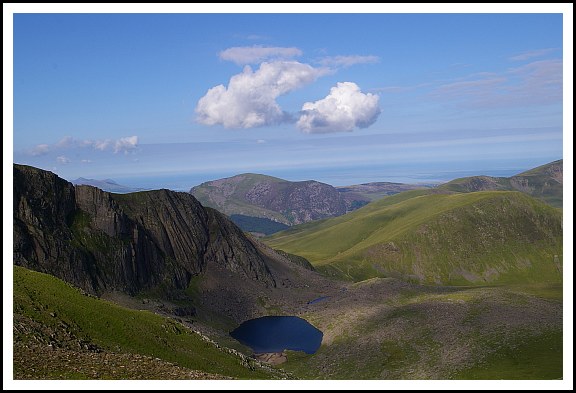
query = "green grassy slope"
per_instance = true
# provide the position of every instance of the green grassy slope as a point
(431, 237)
(50, 303)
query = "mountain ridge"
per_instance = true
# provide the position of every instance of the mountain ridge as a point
(544, 182)
(286, 202)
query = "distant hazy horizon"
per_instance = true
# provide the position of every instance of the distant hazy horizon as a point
(333, 176)
(159, 100)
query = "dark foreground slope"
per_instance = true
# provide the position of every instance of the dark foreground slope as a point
(437, 238)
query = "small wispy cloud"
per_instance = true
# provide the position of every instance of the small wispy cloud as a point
(256, 54)
(347, 61)
(250, 98)
(63, 160)
(257, 37)
(457, 89)
(40, 150)
(532, 54)
(125, 145)
(65, 142)
(535, 83)
(398, 89)
(344, 109)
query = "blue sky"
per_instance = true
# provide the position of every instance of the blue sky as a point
(172, 100)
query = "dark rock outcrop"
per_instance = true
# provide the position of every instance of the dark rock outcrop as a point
(279, 200)
(299, 202)
(132, 242)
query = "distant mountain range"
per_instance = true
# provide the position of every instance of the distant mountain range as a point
(252, 200)
(544, 182)
(377, 190)
(108, 185)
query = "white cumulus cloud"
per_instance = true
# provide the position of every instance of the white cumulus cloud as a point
(256, 54)
(344, 109)
(250, 98)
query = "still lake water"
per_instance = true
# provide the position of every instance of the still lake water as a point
(275, 334)
(318, 300)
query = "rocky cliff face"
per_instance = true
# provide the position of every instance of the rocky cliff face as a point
(132, 242)
(299, 202)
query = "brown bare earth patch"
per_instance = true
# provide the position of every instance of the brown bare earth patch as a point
(271, 358)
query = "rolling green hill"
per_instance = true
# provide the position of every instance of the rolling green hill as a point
(59, 322)
(437, 237)
(544, 182)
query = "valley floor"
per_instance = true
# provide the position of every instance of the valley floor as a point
(382, 328)
(388, 329)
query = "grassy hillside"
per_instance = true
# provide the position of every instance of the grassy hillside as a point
(437, 238)
(52, 317)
